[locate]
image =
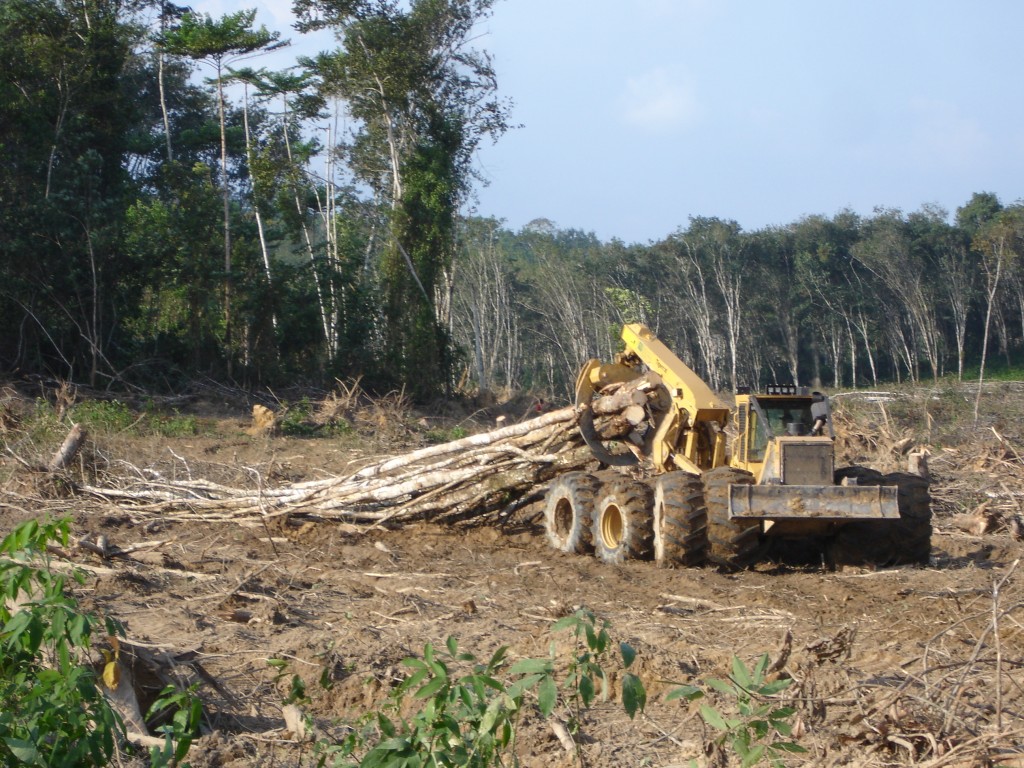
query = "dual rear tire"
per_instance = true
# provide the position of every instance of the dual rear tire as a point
(623, 526)
(628, 519)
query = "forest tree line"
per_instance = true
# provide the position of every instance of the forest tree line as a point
(839, 301)
(168, 209)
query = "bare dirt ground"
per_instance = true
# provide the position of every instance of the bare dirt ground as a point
(909, 665)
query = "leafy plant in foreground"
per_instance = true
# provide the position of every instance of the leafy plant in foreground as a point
(587, 666)
(752, 731)
(52, 712)
(178, 733)
(469, 718)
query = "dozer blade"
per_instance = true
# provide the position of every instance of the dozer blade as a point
(829, 502)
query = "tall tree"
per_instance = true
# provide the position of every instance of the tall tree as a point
(778, 295)
(484, 318)
(423, 100)
(218, 44)
(890, 251)
(67, 114)
(1000, 241)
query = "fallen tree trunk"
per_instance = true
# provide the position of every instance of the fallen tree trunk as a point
(478, 475)
(68, 450)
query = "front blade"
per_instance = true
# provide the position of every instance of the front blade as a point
(829, 502)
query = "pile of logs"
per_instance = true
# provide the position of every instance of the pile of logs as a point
(489, 473)
(621, 411)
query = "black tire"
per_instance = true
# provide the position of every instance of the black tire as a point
(912, 533)
(680, 520)
(732, 544)
(905, 541)
(624, 523)
(569, 512)
(863, 475)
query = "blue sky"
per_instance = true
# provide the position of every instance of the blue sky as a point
(638, 114)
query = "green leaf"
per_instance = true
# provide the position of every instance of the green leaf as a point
(760, 668)
(25, 751)
(385, 725)
(505, 738)
(431, 688)
(498, 658)
(453, 645)
(491, 714)
(722, 687)
(740, 673)
(713, 718)
(414, 679)
(565, 622)
(769, 689)
(547, 696)
(392, 745)
(586, 690)
(524, 684)
(688, 692)
(530, 667)
(759, 727)
(628, 654)
(788, 746)
(489, 681)
(437, 667)
(634, 695)
(753, 756)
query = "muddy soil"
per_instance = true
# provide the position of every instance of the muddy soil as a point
(891, 666)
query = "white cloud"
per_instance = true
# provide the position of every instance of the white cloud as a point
(657, 101)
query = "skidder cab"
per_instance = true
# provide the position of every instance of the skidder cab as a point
(785, 438)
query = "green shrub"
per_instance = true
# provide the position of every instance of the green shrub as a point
(42, 426)
(456, 710)
(107, 416)
(752, 730)
(173, 426)
(469, 718)
(186, 713)
(52, 712)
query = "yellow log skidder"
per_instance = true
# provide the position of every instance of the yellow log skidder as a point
(686, 478)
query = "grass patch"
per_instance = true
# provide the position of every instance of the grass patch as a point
(439, 435)
(104, 416)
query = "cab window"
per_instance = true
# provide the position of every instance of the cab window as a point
(758, 437)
